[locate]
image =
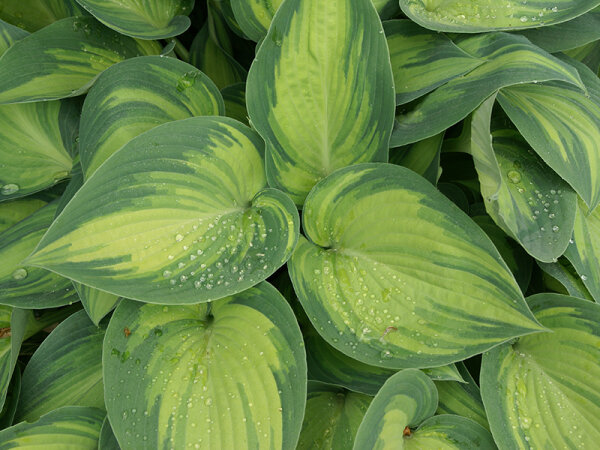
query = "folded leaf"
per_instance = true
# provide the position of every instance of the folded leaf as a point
(76, 427)
(509, 59)
(29, 287)
(148, 19)
(65, 370)
(475, 16)
(414, 285)
(332, 417)
(179, 215)
(97, 303)
(333, 112)
(423, 60)
(543, 391)
(63, 59)
(230, 374)
(139, 94)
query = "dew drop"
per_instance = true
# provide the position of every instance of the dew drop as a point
(179, 237)
(9, 189)
(19, 274)
(514, 176)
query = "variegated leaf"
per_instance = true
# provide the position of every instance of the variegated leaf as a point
(561, 277)
(13, 329)
(9, 34)
(146, 19)
(31, 15)
(475, 16)
(234, 97)
(230, 374)
(336, 111)
(180, 214)
(63, 59)
(17, 210)
(97, 303)
(543, 391)
(388, 286)
(139, 94)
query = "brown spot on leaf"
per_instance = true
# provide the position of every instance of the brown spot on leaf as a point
(126, 332)
(406, 432)
(5, 332)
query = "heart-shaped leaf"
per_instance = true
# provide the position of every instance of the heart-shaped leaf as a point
(63, 59)
(475, 16)
(406, 401)
(179, 215)
(37, 145)
(146, 19)
(336, 111)
(136, 95)
(332, 417)
(29, 287)
(229, 374)
(76, 427)
(543, 391)
(65, 370)
(521, 193)
(509, 59)
(388, 286)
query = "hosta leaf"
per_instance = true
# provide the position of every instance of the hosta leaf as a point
(65, 370)
(561, 277)
(462, 399)
(523, 196)
(36, 145)
(9, 34)
(146, 19)
(450, 432)
(405, 400)
(422, 60)
(97, 303)
(584, 253)
(332, 417)
(136, 95)
(226, 375)
(7, 414)
(485, 15)
(422, 157)
(179, 215)
(509, 59)
(568, 35)
(17, 210)
(76, 427)
(543, 391)
(588, 54)
(388, 286)
(331, 113)
(562, 124)
(29, 287)
(13, 325)
(32, 15)
(107, 440)
(234, 97)
(63, 59)
(329, 365)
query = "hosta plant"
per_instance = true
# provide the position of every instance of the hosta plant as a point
(341, 224)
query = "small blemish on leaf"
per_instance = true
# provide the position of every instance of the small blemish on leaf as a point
(126, 332)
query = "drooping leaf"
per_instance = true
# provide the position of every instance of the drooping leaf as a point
(136, 95)
(333, 415)
(524, 197)
(234, 97)
(406, 401)
(226, 375)
(107, 440)
(97, 303)
(72, 427)
(462, 399)
(28, 287)
(568, 35)
(584, 252)
(9, 34)
(562, 124)
(509, 59)
(31, 15)
(476, 16)
(543, 391)
(65, 370)
(36, 145)
(63, 59)
(17, 210)
(423, 60)
(179, 215)
(422, 157)
(331, 113)
(13, 327)
(388, 286)
(146, 19)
